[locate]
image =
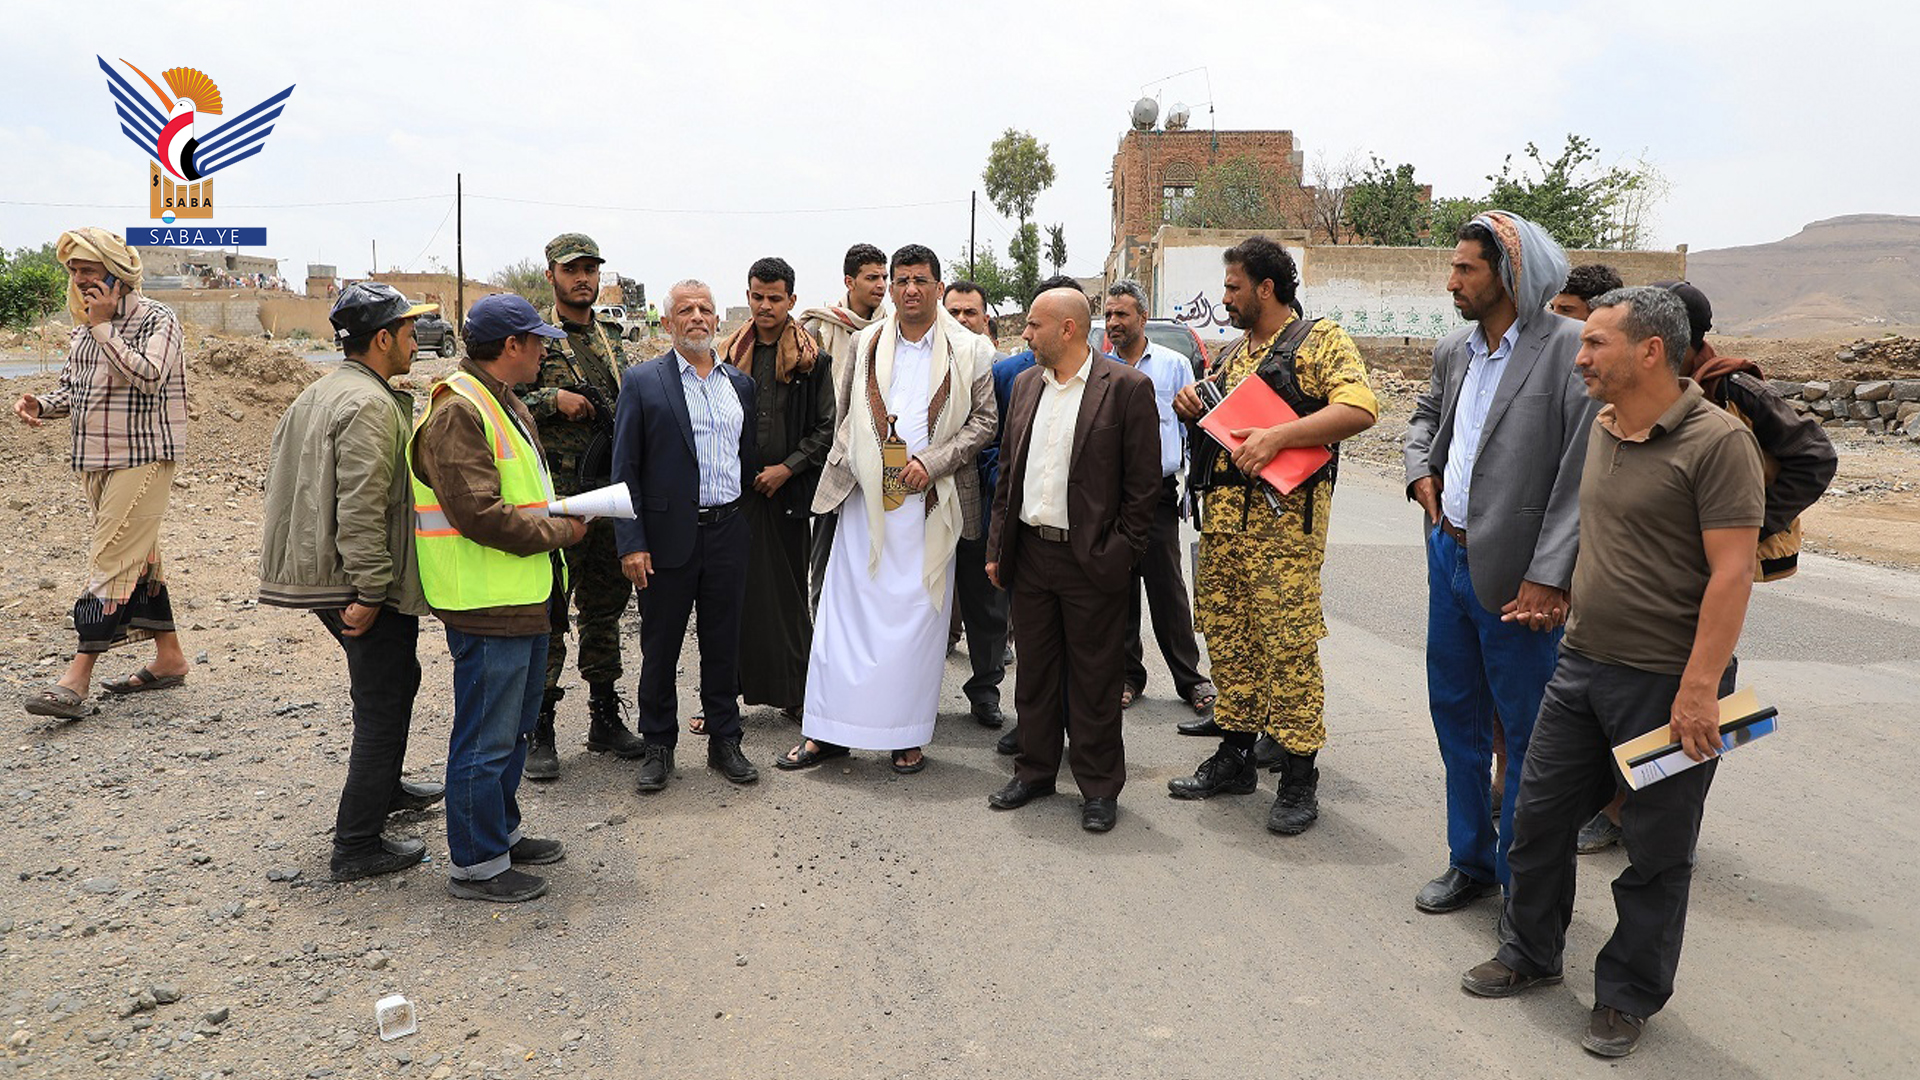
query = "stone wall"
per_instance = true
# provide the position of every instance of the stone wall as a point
(1877, 406)
(1402, 291)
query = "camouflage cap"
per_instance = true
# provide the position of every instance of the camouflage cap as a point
(572, 245)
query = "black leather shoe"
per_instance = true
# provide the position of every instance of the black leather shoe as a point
(1009, 743)
(543, 758)
(1203, 727)
(656, 762)
(509, 886)
(724, 757)
(987, 715)
(533, 851)
(417, 796)
(1096, 815)
(1451, 891)
(1268, 753)
(390, 856)
(1017, 794)
(1229, 771)
(607, 732)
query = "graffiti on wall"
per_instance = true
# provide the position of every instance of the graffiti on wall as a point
(1200, 314)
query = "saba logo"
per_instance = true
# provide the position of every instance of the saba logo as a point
(187, 151)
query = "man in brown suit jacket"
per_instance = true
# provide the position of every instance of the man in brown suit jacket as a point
(1071, 515)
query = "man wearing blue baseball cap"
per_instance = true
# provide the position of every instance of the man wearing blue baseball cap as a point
(488, 565)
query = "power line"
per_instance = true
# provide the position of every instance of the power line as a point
(728, 212)
(435, 236)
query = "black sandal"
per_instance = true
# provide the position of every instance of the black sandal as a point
(900, 764)
(802, 758)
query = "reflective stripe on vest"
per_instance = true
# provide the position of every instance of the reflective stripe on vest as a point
(456, 573)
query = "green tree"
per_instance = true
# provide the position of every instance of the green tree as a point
(1018, 170)
(1056, 246)
(1447, 215)
(995, 280)
(1384, 205)
(1025, 253)
(529, 279)
(33, 285)
(1569, 196)
(1234, 194)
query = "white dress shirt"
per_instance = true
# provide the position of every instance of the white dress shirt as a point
(1043, 499)
(1470, 419)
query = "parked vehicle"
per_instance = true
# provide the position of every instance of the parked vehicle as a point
(632, 327)
(432, 333)
(1166, 333)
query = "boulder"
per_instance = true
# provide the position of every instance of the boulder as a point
(1877, 390)
(1863, 410)
(1906, 390)
(1822, 409)
(1786, 389)
(1841, 389)
(1813, 391)
(1887, 408)
(1905, 411)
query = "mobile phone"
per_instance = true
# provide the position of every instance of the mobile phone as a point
(108, 282)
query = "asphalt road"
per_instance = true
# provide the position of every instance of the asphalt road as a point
(850, 923)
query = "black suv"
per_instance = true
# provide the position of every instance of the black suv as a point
(434, 334)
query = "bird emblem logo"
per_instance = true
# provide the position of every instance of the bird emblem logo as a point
(185, 149)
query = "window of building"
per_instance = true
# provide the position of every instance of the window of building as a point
(1176, 189)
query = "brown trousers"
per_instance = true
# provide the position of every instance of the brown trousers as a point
(1067, 684)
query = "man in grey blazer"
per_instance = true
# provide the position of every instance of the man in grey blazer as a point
(1493, 455)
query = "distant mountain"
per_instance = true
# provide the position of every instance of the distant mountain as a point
(1858, 271)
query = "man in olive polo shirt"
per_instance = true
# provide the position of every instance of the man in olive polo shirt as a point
(1671, 503)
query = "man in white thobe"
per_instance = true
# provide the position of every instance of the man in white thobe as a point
(879, 643)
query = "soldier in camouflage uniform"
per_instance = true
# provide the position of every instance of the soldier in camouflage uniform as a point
(1257, 593)
(572, 402)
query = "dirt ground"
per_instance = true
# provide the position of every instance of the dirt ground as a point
(164, 910)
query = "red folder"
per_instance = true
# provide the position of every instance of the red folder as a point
(1253, 404)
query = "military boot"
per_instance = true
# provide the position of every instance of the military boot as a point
(1298, 804)
(1229, 771)
(543, 761)
(606, 731)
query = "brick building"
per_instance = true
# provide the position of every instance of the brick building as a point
(1154, 171)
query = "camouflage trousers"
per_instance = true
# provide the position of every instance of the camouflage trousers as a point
(1257, 600)
(600, 595)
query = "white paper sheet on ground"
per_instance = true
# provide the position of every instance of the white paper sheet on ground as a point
(612, 501)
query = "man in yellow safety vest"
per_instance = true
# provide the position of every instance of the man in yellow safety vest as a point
(485, 544)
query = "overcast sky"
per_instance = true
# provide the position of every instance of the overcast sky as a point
(690, 139)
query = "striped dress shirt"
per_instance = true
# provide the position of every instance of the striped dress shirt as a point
(714, 407)
(125, 386)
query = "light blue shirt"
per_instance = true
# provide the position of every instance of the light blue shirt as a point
(714, 407)
(1470, 419)
(1170, 373)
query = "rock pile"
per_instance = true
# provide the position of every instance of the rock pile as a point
(1879, 406)
(1881, 358)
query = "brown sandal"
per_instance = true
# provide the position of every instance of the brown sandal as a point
(142, 681)
(60, 702)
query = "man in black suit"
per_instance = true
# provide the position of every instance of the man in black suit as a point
(1072, 513)
(683, 448)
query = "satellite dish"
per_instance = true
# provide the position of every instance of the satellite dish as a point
(1145, 112)
(1177, 116)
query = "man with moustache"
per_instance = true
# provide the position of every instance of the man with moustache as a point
(919, 407)
(685, 449)
(1071, 515)
(1258, 587)
(1672, 503)
(1159, 568)
(1493, 456)
(792, 430)
(573, 401)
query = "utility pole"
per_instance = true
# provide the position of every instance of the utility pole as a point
(459, 257)
(973, 205)
(376, 258)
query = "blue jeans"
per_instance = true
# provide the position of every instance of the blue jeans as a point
(1478, 668)
(497, 686)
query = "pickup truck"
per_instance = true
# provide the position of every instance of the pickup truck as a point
(632, 327)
